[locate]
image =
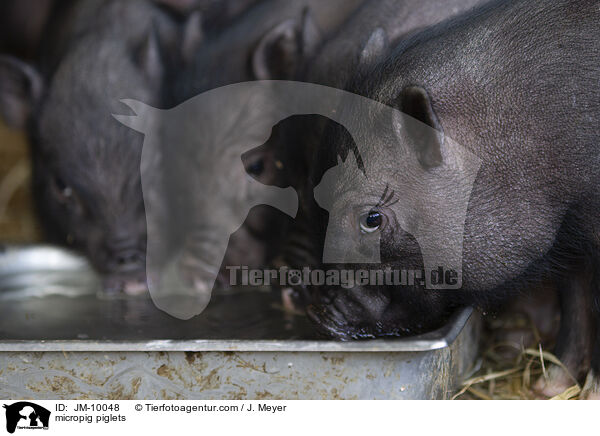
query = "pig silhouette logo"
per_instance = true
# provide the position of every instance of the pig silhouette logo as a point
(26, 415)
(197, 192)
(211, 131)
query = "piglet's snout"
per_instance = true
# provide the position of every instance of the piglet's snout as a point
(125, 255)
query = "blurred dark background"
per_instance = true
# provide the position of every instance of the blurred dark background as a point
(21, 26)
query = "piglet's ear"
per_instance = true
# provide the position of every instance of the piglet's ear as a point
(148, 56)
(21, 88)
(311, 35)
(280, 52)
(193, 36)
(374, 48)
(421, 126)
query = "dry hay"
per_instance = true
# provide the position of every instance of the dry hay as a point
(508, 368)
(17, 220)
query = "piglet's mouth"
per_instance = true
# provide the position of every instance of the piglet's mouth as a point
(337, 316)
(124, 285)
(332, 323)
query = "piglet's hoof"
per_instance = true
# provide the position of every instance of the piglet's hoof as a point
(555, 383)
(591, 387)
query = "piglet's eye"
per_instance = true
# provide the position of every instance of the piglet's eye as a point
(256, 168)
(370, 222)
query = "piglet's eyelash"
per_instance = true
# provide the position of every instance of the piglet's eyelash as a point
(387, 198)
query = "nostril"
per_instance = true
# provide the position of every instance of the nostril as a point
(127, 259)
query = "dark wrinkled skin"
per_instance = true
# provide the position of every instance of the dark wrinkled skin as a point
(524, 98)
(349, 51)
(341, 57)
(268, 41)
(86, 165)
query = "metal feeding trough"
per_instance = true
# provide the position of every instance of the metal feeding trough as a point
(58, 339)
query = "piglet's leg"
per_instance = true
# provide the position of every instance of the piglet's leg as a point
(575, 336)
(591, 388)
